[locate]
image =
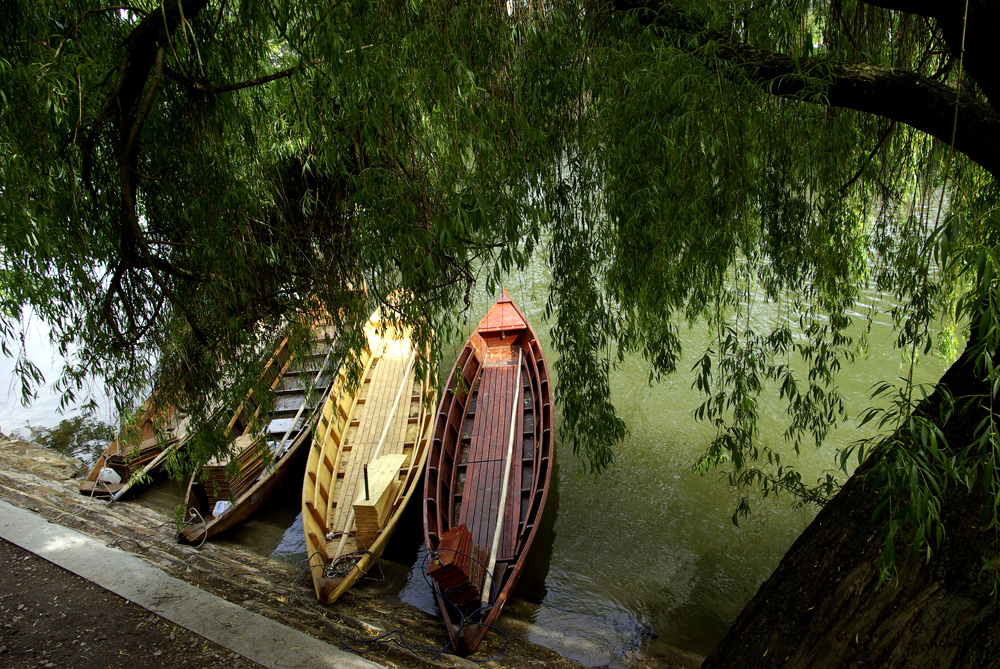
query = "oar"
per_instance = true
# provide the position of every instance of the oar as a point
(487, 584)
(399, 393)
(378, 448)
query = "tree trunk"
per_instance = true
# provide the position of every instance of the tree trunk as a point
(825, 607)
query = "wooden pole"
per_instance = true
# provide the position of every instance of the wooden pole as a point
(399, 393)
(150, 466)
(487, 584)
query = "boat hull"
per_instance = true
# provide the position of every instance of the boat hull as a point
(300, 387)
(488, 472)
(248, 504)
(380, 428)
(137, 461)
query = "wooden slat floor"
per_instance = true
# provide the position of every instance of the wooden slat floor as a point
(487, 455)
(362, 439)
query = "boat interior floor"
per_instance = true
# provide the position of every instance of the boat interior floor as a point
(488, 438)
(375, 408)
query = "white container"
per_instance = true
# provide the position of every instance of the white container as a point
(108, 475)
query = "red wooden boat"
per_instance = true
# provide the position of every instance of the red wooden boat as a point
(131, 460)
(488, 472)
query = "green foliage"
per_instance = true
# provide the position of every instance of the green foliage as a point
(682, 195)
(176, 217)
(182, 190)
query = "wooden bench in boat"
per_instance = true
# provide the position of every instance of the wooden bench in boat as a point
(371, 512)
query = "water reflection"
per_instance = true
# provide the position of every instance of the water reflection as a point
(417, 592)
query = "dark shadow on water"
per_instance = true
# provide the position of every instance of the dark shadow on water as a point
(536, 568)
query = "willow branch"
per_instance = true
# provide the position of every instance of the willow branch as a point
(225, 88)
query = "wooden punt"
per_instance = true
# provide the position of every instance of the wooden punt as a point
(220, 496)
(128, 464)
(380, 425)
(487, 479)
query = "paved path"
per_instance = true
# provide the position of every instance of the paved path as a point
(253, 636)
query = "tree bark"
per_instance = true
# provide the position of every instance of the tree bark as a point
(825, 606)
(899, 95)
(922, 103)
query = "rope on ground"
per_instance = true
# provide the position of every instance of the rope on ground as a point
(396, 637)
(344, 564)
(120, 541)
(75, 512)
(292, 595)
(192, 514)
(102, 482)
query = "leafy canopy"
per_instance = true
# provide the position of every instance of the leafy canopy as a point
(183, 181)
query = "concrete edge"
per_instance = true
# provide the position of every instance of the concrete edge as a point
(249, 634)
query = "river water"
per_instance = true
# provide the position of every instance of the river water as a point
(645, 560)
(46, 409)
(641, 562)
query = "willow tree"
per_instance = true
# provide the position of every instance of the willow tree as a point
(181, 181)
(727, 154)
(184, 182)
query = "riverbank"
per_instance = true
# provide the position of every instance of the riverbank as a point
(40, 481)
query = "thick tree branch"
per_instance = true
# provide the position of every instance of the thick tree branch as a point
(133, 98)
(928, 8)
(922, 103)
(225, 88)
(982, 34)
(898, 95)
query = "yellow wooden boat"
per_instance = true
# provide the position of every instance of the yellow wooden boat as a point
(367, 454)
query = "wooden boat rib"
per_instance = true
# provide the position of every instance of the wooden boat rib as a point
(488, 472)
(218, 500)
(134, 463)
(380, 428)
